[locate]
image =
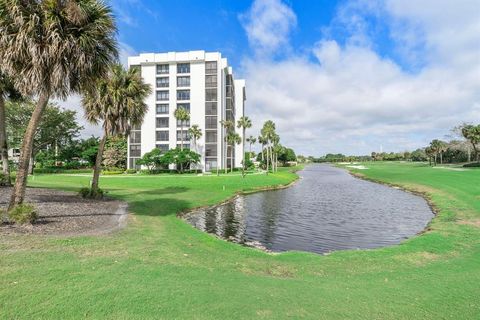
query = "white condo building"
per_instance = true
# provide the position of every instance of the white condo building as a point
(198, 81)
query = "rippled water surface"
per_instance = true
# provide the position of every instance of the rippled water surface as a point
(326, 210)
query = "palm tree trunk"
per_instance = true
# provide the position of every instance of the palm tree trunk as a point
(98, 162)
(3, 141)
(226, 160)
(441, 157)
(243, 153)
(268, 157)
(181, 144)
(18, 193)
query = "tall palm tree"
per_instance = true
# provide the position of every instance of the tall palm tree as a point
(244, 123)
(195, 133)
(182, 115)
(118, 102)
(251, 140)
(472, 134)
(6, 91)
(51, 49)
(276, 148)
(229, 126)
(233, 139)
(268, 132)
(263, 141)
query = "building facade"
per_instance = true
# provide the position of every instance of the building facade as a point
(203, 84)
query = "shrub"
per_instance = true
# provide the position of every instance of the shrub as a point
(130, 171)
(23, 213)
(112, 172)
(89, 193)
(472, 165)
(3, 179)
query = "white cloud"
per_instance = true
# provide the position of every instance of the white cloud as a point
(352, 100)
(268, 24)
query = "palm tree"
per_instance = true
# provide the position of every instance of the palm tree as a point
(276, 148)
(233, 139)
(118, 101)
(263, 141)
(268, 132)
(243, 123)
(472, 134)
(51, 49)
(229, 126)
(251, 140)
(195, 133)
(6, 91)
(182, 115)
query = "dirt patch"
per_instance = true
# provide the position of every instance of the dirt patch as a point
(65, 213)
(474, 223)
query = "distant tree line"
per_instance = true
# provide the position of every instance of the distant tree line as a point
(464, 149)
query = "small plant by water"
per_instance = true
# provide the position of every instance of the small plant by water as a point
(23, 213)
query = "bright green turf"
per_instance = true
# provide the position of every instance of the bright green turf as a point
(160, 267)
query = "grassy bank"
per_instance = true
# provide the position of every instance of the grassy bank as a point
(160, 267)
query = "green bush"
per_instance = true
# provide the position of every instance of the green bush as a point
(23, 213)
(112, 172)
(130, 171)
(52, 170)
(472, 165)
(89, 193)
(3, 179)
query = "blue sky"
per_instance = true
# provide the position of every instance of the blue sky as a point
(350, 76)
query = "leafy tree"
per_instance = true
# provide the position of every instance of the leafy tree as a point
(286, 155)
(7, 91)
(118, 101)
(181, 158)
(244, 123)
(268, 134)
(57, 127)
(115, 154)
(52, 49)
(472, 134)
(153, 160)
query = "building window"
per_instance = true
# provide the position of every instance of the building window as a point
(185, 145)
(211, 122)
(133, 164)
(210, 164)
(162, 68)
(162, 108)
(163, 147)
(211, 136)
(183, 94)
(163, 95)
(211, 94)
(210, 150)
(210, 108)
(135, 151)
(135, 137)
(211, 67)
(186, 136)
(185, 106)
(162, 136)
(162, 82)
(183, 68)
(186, 123)
(210, 81)
(183, 81)
(162, 122)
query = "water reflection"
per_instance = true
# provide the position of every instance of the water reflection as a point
(326, 210)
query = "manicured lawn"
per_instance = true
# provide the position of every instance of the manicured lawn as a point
(160, 267)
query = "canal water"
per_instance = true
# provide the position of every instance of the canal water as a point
(326, 210)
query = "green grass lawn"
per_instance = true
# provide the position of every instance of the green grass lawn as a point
(160, 267)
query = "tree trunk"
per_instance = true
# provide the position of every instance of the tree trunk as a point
(98, 162)
(181, 144)
(3, 141)
(226, 160)
(268, 157)
(18, 193)
(441, 157)
(30, 165)
(243, 153)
